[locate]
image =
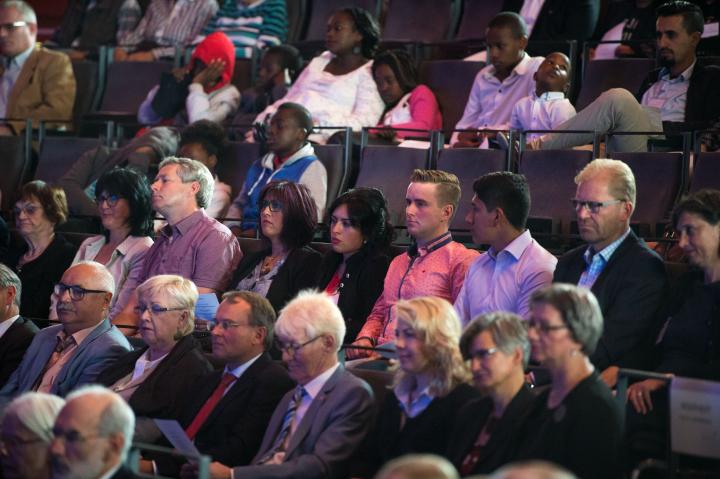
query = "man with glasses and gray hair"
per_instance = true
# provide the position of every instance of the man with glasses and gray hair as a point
(627, 277)
(16, 332)
(65, 356)
(36, 83)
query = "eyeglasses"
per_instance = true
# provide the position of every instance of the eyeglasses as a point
(287, 348)
(72, 436)
(544, 328)
(226, 324)
(77, 293)
(29, 209)
(593, 206)
(274, 205)
(111, 200)
(11, 27)
(153, 309)
(481, 354)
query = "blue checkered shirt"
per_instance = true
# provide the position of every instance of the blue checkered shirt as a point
(596, 261)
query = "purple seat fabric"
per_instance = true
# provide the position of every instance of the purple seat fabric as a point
(128, 83)
(706, 171)
(602, 75)
(57, 154)
(418, 20)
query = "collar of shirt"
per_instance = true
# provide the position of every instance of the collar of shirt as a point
(606, 252)
(684, 76)
(240, 370)
(144, 362)
(434, 244)
(80, 336)
(5, 325)
(549, 96)
(520, 69)
(313, 387)
(184, 225)
(418, 404)
(515, 247)
(18, 60)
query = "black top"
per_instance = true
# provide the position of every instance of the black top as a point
(582, 434)
(4, 237)
(13, 345)
(40, 275)
(360, 286)
(500, 449)
(298, 272)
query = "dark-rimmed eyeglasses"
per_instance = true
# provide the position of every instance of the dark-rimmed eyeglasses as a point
(274, 205)
(544, 328)
(77, 293)
(226, 324)
(593, 207)
(111, 200)
(153, 309)
(294, 348)
(28, 208)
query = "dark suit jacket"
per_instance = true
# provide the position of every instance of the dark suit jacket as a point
(327, 437)
(93, 28)
(360, 287)
(13, 345)
(233, 431)
(165, 391)
(297, 273)
(631, 290)
(501, 446)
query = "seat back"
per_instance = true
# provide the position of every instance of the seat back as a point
(58, 153)
(14, 168)
(451, 81)
(388, 168)
(296, 14)
(128, 83)
(321, 10)
(419, 20)
(706, 171)
(601, 75)
(244, 73)
(469, 164)
(86, 79)
(234, 167)
(476, 14)
(335, 160)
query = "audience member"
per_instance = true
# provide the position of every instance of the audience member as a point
(42, 256)
(689, 340)
(65, 356)
(199, 91)
(626, 276)
(164, 26)
(124, 204)
(317, 427)
(142, 153)
(487, 429)
(16, 332)
(418, 466)
(337, 86)
(26, 433)
(205, 141)
(291, 158)
(502, 83)
(628, 23)
(157, 380)
(532, 470)
(576, 421)
(515, 265)
(287, 264)
(250, 24)
(37, 83)
(192, 245)
(435, 265)
(92, 436)
(352, 273)
(229, 427)
(431, 383)
(4, 235)
(407, 104)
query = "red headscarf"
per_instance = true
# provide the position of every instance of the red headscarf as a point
(216, 46)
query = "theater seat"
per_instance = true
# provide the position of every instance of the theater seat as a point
(335, 160)
(234, 167)
(128, 83)
(15, 167)
(423, 21)
(706, 172)
(57, 154)
(602, 75)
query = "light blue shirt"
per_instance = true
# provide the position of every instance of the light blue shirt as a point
(669, 95)
(13, 67)
(596, 262)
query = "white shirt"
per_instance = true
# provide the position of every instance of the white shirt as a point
(530, 12)
(669, 95)
(239, 371)
(544, 112)
(5, 325)
(214, 106)
(312, 389)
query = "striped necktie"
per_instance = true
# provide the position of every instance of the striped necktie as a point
(281, 439)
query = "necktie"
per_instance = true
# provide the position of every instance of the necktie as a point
(64, 341)
(279, 444)
(209, 405)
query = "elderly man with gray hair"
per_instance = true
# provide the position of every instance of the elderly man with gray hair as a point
(192, 244)
(16, 332)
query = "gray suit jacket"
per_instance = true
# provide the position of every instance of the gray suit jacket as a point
(101, 348)
(327, 437)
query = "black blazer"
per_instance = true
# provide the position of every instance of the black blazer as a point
(297, 273)
(360, 287)
(631, 290)
(13, 345)
(500, 448)
(234, 430)
(165, 390)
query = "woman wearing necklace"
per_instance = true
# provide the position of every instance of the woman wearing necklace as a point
(43, 256)
(352, 273)
(576, 423)
(287, 265)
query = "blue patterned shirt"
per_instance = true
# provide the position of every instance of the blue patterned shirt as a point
(596, 261)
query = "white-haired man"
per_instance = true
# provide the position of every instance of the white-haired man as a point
(16, 332)
(73, 353)
(627, 277)
(317, 427)
(92, 436)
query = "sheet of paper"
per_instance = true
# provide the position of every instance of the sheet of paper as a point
(711, 30)
(176, 435)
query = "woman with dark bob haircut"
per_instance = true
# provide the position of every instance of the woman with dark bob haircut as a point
(123, 201)
(43, 256)
(287, 265)
(354, 271)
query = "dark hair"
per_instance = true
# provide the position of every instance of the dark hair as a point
(262, 314)
(692, 15)
(704, 203)
(402, 65)
(368, 28)
(302, 116)
(207, 133)
(368, 212)
(299, 212)
(289, 58)
(51, 198)
(128, 183)
(506, 190)
(510, 20)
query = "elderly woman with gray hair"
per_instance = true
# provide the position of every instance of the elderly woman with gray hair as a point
(26, 433)
(576, 423)
(156, 379)
(486, 429)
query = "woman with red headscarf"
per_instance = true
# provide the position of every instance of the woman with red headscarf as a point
(199, 91)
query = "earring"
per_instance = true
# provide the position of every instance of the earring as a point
(356, 50)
